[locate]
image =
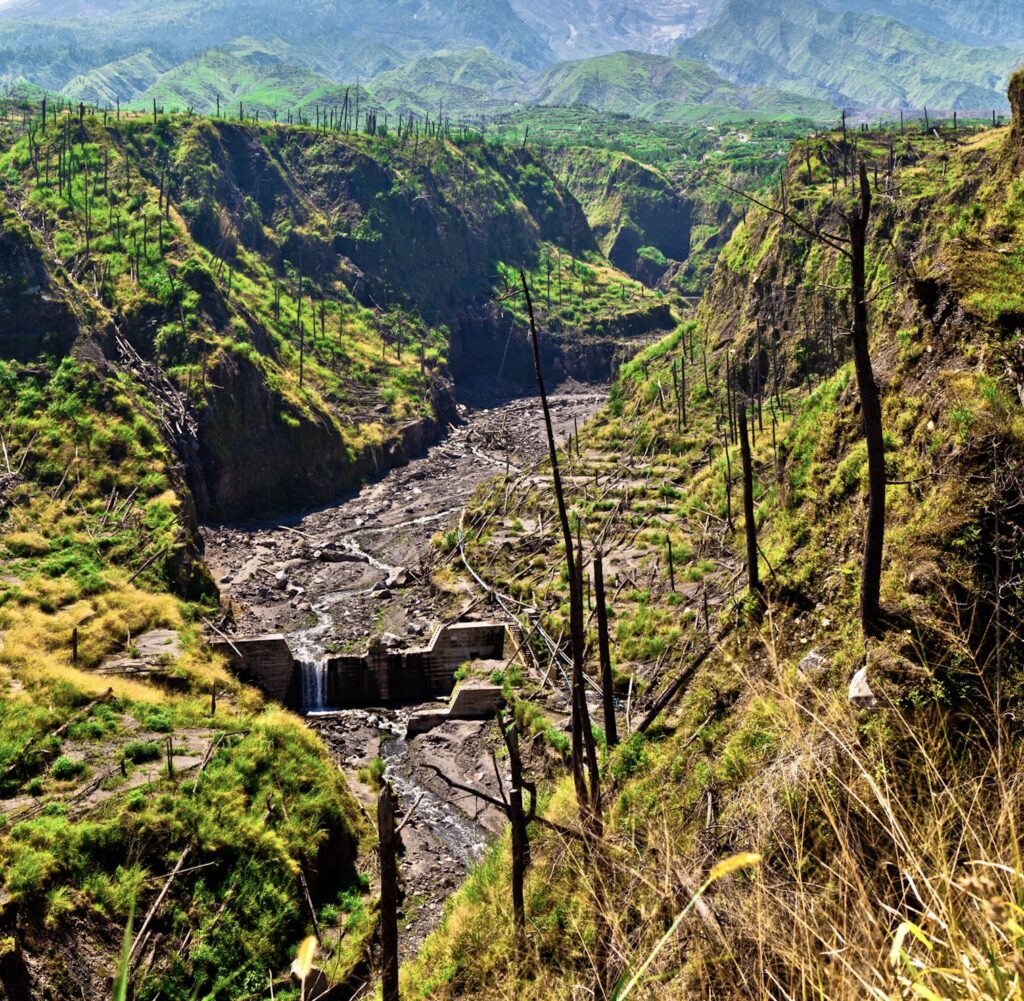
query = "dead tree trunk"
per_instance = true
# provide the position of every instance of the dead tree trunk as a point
(584, 754)
(582, 738)
(750, 526)
(871, 407)
(519, 820)
(611, 734)
(388, 840)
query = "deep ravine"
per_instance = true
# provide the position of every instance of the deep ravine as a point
(359, 571)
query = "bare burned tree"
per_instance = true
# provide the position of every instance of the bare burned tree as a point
(611, 734)
(519, 818)
(519, 814)
(750, 525)
(854, 248)
(387, 835)
(586, 776)
(871, 407)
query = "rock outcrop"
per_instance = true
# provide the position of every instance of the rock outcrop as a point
(1017, 106)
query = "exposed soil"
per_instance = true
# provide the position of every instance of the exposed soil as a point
(338, 578)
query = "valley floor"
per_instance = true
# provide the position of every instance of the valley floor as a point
(286, 577)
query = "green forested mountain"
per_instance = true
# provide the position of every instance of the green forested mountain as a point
(482, 57)
(970, 22)
(472, 84)
(665, 90)
(243, 74)
(121, 80)
(343, 38)
(849, 58)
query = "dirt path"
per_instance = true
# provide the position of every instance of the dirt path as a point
(338, 578)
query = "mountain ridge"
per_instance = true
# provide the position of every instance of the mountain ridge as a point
(848, 58)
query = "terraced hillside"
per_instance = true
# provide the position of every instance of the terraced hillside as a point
(861, 791)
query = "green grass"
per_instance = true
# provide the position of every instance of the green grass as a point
(757, 752)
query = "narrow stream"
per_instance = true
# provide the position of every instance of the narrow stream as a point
(335, 578)
(463, 838)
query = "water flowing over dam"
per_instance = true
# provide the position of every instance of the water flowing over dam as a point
(338, 619)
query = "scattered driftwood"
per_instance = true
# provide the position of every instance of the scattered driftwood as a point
(666, 697)
(83, 712)
(158, 902)
(225, 637)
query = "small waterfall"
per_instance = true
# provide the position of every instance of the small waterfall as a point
(314, 686)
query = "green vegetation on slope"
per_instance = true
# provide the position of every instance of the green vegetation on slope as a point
(656, 196)
(853, 59)
(459, 84)
(666, 90)
(93, 537)
(119, 81)
(885, 833)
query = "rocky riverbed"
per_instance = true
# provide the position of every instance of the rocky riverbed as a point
(363, 571)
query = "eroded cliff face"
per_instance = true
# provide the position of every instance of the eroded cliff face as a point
(263, 227)
(946, 318)
(421, 226)
(422, 230)
(639, 218)
(36, 316)
(253, 459)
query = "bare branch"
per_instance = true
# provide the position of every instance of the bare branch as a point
(837, 243)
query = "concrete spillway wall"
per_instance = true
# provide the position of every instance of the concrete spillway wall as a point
(376, 678)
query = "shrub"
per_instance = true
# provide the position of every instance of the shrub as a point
(631, 758)
(64, 769)
(140, 751)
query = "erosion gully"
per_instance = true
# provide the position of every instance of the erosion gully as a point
(358, 572)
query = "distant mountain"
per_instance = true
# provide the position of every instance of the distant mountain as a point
(473, 57)
(339, 38)
(580, 28)
(462, 83)
(664, 90)
(849, 58)
(972, 22)
(121, 80)
(59, 9)
(468, 84)
(245, 72)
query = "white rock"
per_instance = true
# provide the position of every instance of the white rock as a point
(861, 696)
(813, 663)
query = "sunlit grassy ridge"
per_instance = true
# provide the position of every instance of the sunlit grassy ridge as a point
(111, 222)
(93, 537)
(173, 290)
(891, 865)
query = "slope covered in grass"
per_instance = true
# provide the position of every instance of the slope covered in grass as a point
(888, 838)
(665, 90)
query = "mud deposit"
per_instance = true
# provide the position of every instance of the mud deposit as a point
(341, 577)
